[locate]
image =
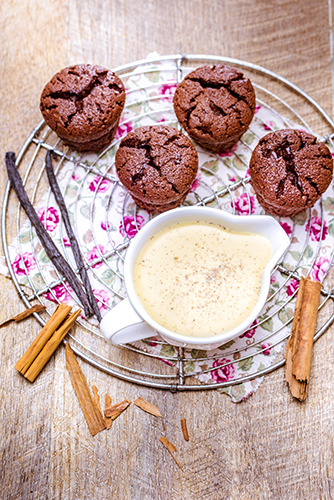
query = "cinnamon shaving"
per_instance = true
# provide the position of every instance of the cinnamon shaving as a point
(184, 429)
(299, 348)
(171, 448)
(114, 411)
(96, 398)
(23, 315)
(92, 414)
(148, 407)
(107, 404)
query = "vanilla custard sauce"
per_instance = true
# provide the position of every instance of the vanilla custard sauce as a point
(199, 279)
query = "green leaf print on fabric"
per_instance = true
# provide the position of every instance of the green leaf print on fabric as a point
(153, 76)
(248, 138)
(261, 367)
(331, 229)
(309, 252)
(25, 237)
(189, 367)
(71, 191)
(85, 210)
(43, 257)
(295, 255)
(197, 353)
(212, 165)
(328, 204)
(238, 391)
(108, 276)
(285, 315)
(227, 345)
(301, 218)
(245, 364)
(167, 351)
(268, 325)
(38, 281)
(240, 163)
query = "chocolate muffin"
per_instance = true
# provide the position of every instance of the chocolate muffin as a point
(215, 106)
(83, 105)
(290, 169)
(157, 165)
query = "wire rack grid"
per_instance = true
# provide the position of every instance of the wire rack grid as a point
(87, 341)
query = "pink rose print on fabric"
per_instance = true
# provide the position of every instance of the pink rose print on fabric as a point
(269, 126)
(267, 349)
(292, 286)
(228, 152)
(243, 205)
(315, 231)
(257, 108)
(101, 187)
(105, 225)
(152, 341)
(167, 91)
(27, 260)
(66, 242)
(287, 228)
(251, 332)
(196, 183)
(166, 361)
(102, 299)
(60, 293)
(223, 373)
(320, 268)
(76, 177)
(96, 253)
(123, 129)
(51, 220)
(128, 226)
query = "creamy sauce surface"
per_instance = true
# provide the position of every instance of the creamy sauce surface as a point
(199, 279)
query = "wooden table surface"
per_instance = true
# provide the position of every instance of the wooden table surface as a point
(267, 447)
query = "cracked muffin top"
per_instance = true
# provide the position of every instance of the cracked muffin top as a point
(157, 164)
(83, 104)
(215, 105)
(290, 170)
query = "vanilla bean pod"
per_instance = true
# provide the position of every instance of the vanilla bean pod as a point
(70, 233)
(50, 248)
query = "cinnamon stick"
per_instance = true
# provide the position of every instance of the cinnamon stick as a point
(92, 415)
(107, 420)
(70, 233)
(60, 313)
(53, 343)
(300, 344)
(171, 448)
(184, 429)
(50, 248)
(25, 314)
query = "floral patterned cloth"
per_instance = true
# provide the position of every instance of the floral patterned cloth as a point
(105, 218)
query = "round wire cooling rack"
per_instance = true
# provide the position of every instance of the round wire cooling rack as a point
(105, 219)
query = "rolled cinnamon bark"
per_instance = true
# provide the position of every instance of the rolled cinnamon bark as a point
(299, 348)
